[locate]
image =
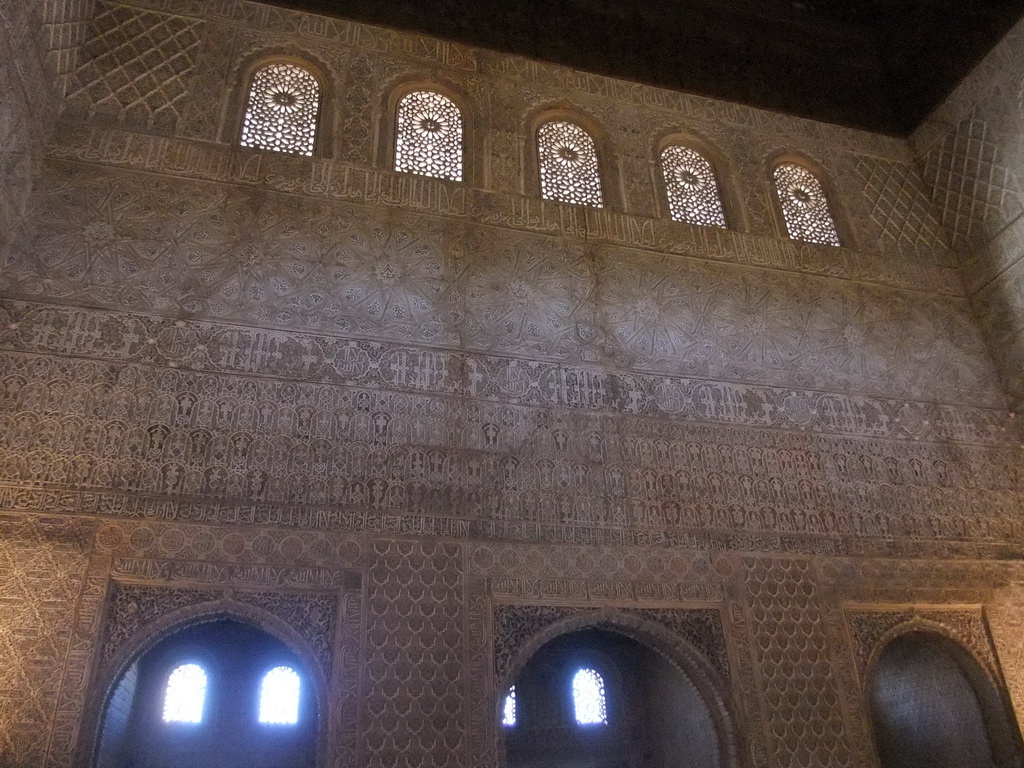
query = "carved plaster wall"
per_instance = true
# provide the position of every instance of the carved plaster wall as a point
(235, 375)
(971, 152)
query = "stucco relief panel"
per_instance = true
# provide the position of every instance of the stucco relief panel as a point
(1000, 311)
(901, 218)
(133, 241)
(43, 564)
(972, 185)
(414, 660)
(796, 665)
(118, 439)
(1005, 621)
(714, 321)
(137, 66)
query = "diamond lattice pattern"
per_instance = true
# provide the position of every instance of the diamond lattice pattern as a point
(137, 63)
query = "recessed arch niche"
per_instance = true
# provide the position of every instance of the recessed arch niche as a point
(657, 715)
(933, 705)
(235, 658)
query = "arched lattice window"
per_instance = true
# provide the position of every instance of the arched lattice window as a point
(279, 696)
(508, 712)
(569, 169)
(691, 187)
(185, 694)
(428, 136)
(588, 698)
(804, 205)
(282, 109)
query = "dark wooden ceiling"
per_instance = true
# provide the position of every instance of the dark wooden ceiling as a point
(875, 64)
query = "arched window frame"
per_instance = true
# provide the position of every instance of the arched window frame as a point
(601, 674)
(238, 101)
(387, 133)
(608, 171)
(165, 690)
(824, 179)
(720, 165)
(297, 704)
(987, 684)
(156, 631)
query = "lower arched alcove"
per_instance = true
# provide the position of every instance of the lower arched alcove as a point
(220, 693)
(933, 706)
(653, 714)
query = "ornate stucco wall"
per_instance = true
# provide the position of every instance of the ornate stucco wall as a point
(971, 152)
(412, 424)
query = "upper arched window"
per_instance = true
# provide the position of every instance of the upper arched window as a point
(282, 109)
(428, 136)
(508, 711)
(588, 698)
(804, 205)
(279, 696)
(691, 187)
(569, 170)
(185, 694)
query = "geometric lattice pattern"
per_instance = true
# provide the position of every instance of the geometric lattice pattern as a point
(136, 63)
(901, 213)
(972, 185)
(40, 579)
(568, 164)
(691, 187)
(414, 638)
(428, 139)
(799, 688)
(804, 205)
(282, 110)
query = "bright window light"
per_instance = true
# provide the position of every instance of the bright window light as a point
(588, 696)
(186, 691)
(509, 712)
(279, 697)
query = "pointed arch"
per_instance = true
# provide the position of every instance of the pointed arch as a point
(929, 696)
(709, 685)
(126, 658)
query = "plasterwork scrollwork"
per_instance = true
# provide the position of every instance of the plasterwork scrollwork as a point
(276, 260)
(516, 624)
(204, 348)
(415, 649)
(134, 607)
(871, 628)
(45, 573)
(796, 664)
(1005, 617)
(255, 451)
